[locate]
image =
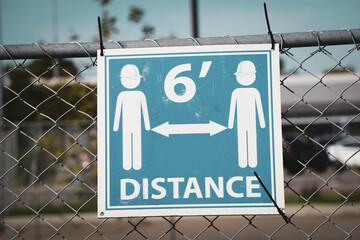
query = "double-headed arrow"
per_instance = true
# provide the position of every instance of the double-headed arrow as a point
(211, 128)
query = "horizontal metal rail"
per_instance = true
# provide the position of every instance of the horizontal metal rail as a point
(75, 50)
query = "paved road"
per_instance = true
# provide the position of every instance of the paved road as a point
(305, 222)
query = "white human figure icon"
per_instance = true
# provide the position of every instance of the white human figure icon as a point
(131, 105)
(245, 102)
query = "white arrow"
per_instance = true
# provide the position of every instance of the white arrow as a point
(211, 128)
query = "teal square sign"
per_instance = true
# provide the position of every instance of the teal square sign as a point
(181, 131)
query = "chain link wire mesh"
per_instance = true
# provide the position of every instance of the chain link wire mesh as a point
(48, 157)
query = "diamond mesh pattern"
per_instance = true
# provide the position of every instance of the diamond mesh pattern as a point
(48, 158)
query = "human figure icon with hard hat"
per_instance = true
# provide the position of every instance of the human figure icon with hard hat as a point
(131, 106)
(246, 103)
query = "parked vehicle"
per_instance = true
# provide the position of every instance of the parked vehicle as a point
(303, 151)
(346, 151)
(329, 139)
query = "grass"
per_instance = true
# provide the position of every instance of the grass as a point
(53, 209)
(321, 197)
(58, 208)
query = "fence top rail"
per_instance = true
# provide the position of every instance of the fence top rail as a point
(78, 50)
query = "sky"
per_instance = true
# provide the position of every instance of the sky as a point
(29, 21)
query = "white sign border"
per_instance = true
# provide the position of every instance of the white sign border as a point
(194, 209)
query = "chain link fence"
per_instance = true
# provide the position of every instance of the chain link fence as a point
(48, 157)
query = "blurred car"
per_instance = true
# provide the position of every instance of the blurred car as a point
(327, 139)
(346, 150)
(301, 150)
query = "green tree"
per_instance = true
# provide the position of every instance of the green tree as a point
(103, 2)
(147, 31)
(32, 97)
(26, 91)
(108, 24)
(136, 15)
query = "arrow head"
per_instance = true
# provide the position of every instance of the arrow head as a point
(162, 129)
(215, 128)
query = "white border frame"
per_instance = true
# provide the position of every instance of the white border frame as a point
(165, 210)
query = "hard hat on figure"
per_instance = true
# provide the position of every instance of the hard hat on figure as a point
(245, 73)
(130, 76)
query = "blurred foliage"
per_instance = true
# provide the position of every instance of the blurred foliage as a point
(147, 31)
(103, 2)
(65, 67)
(108, 24)
(38, 94)
(33, 93)
(56, 208)
(312, 196)
(136, 14)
